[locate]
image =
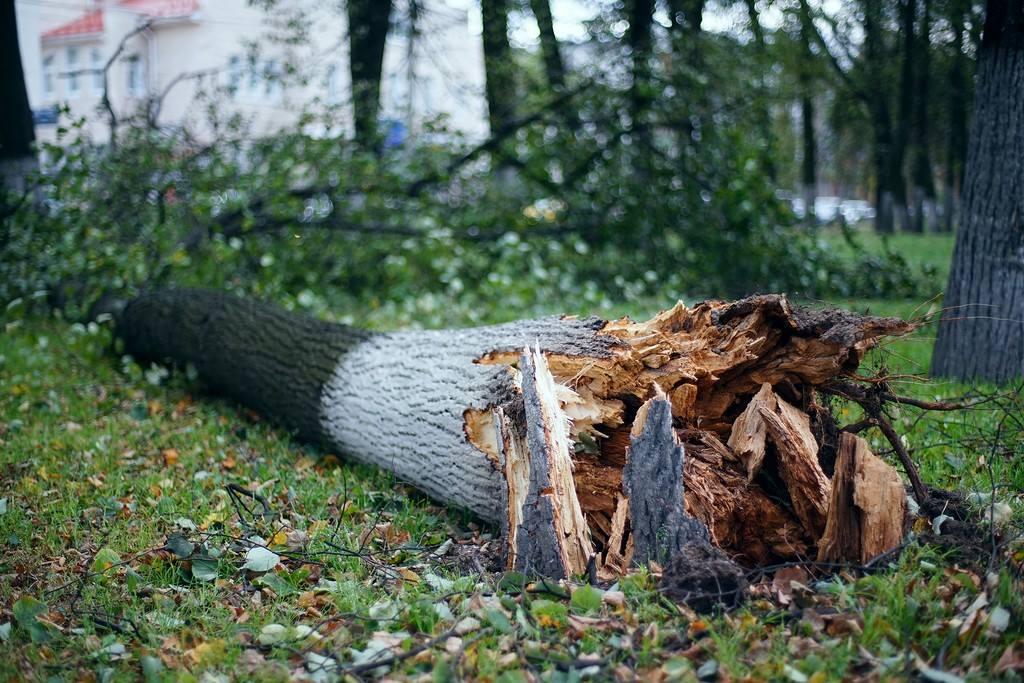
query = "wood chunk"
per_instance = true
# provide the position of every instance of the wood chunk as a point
(739, 515)
(553, 538)
(653, 483)
(867, 507)
(618, 552)
(749, 431)
(789, 429)
(515, 466)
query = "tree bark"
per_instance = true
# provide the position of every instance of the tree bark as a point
(640, 14)
(368, 23)
(809, 164)
(17, 131)
(981, 335)
(921, 173)
(762, 112)
(541, 426)
(905, 114)
(554, 66)
(883, 150)
(499, 68)
(956, 149)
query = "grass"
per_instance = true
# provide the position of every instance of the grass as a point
(118, 522)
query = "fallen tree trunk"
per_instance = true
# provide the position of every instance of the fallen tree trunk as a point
(533, 424)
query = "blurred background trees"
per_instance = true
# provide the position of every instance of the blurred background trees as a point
(666, 148)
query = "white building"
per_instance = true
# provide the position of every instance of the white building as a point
(192, 47)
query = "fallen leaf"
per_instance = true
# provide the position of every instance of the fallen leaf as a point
(1012, 659)
(170, 456)
(782, 583)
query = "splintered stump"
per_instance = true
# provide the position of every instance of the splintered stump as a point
(594, 444)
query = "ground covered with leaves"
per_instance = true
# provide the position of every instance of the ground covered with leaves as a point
(149, 531)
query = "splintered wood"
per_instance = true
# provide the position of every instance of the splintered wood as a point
(695, 428)
(865, 518)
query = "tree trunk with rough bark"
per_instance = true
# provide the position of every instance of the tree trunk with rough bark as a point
(923, 187)
(499, 68)
(981, 335)
(17, 132)
(956, 148)
(593, 444)
(368, 23)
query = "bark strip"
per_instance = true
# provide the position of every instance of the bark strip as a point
(653, 484)
(553, 538)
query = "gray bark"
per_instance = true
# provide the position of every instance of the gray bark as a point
(394, 400)
(981, 335)
(653, 482)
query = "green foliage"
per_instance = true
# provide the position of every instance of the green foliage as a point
(575, 219)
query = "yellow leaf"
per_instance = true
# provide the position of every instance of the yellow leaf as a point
(213, 518)
(208, 652)
(409, 575)
(170, 456)
(280, 538)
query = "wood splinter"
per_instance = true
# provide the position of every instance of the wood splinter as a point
(867, 508)
(549, 535)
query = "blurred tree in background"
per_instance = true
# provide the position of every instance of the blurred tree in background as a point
(654, 158)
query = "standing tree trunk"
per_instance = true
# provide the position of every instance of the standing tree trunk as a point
(878, 114)
(17, 133)
(762, 113)
(809, 165)
(640, 14)
(905, 114)
(921, 173)
(554, 66)
(368, 23)
(981, 335)
(499, 69)
(567, 432)
(956, 148)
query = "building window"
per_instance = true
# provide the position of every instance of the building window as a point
(332, 86)
(136, 76)
(49, 84)
(254, 78)
(96, 57)
(234, 74)
(73, 75)
(271, 79)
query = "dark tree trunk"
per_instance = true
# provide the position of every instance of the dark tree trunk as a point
(905, 114)
(554, 67)
(809, 165)
(368, 22)
(922, 173)
(499, 69)
(981, 335)
(883, 145)
(762, 113)
(956, 148)
(17, 133)
(640, 14)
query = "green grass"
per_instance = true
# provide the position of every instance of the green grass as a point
(101, 462)
(923, 253)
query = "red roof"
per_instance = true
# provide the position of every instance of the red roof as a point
(92, 21)
(88, 23)
(162, 8)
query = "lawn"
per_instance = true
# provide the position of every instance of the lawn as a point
(127, 554)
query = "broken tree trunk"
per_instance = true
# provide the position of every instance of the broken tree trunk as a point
(559, 444)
